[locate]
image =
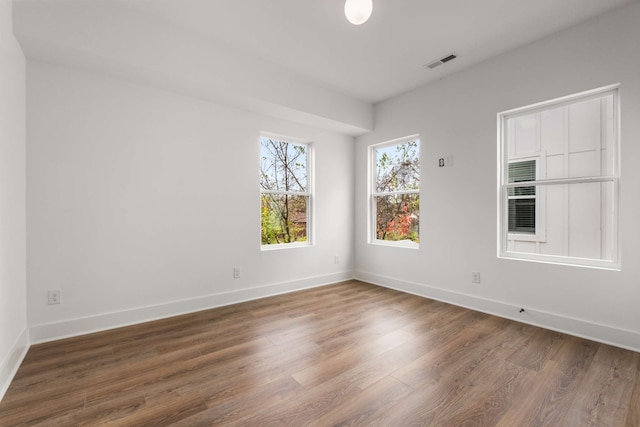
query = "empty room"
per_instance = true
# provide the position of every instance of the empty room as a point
(319, 213)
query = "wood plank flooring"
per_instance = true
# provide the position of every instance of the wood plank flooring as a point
(345, 354)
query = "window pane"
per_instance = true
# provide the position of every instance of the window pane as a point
(578, 140)
(398, 167)
(522, 216)
(580, 221)
(284, 218)
(283, 166)
(398, 217)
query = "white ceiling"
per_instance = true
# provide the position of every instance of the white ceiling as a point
(385, 56)
(307, 42)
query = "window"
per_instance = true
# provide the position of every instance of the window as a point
(526, 211)
(395, 195)
(558, 180)
(522, 200)
(285, 192)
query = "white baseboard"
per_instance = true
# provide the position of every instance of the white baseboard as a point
(9, 366)
(627, 339)
(100, 322)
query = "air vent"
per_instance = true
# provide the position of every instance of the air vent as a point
(441, 61)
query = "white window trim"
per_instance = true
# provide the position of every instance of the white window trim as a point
(502, 225)
(409, 244)
(310, 193)
(280, 246)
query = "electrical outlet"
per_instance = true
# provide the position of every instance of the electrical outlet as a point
(475, 277)
(236, 272)
(336, 259)
(54, 296)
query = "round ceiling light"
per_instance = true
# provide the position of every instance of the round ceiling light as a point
(358, 11)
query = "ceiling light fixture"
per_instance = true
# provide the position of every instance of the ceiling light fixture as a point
(358, 11)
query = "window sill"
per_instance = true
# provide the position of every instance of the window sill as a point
(561, 260)
(521, 237)
(280, 246)
(409, 244)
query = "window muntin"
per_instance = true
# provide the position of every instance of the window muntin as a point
(574, 141)
(285, 192)
(395, 195)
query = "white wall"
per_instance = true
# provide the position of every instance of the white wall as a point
(13, 311)
(457, 116)
(140, 202)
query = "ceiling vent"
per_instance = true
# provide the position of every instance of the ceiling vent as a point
(441, 61)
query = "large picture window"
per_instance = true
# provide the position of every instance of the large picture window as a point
(559, 180)
(395, 195)
(285, 191)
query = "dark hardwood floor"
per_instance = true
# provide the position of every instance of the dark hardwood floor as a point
(345, 354)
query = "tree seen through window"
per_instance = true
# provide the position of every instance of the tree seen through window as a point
(284, 189)
(396, 196)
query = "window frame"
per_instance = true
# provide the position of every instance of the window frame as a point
(373, 194)
(613, 178)
(309, 194)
